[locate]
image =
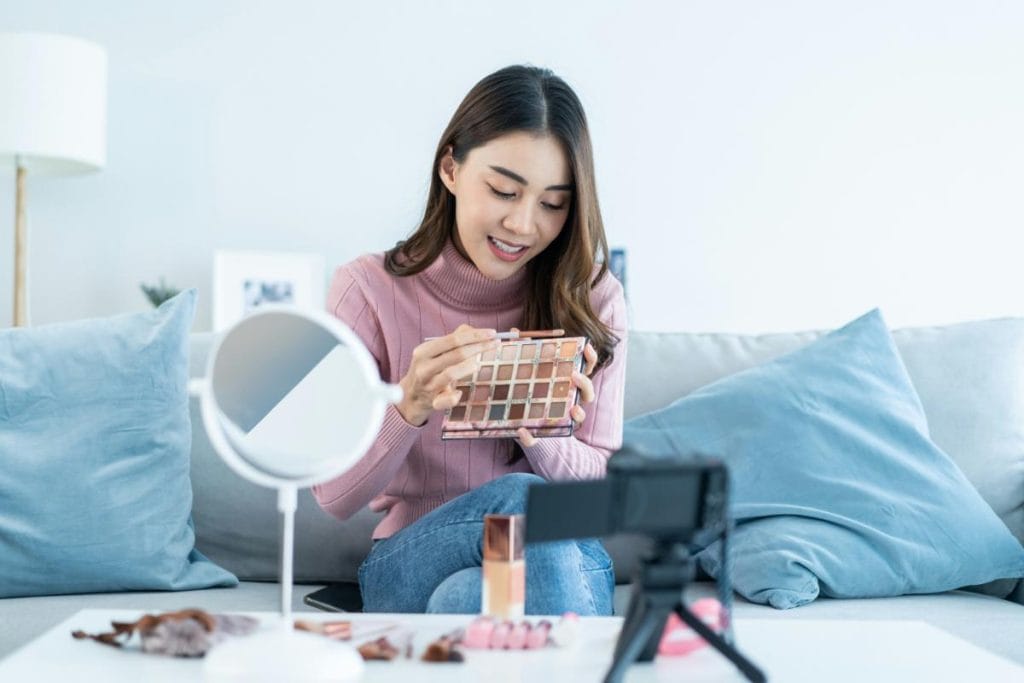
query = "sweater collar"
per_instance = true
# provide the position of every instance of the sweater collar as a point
(455, 280)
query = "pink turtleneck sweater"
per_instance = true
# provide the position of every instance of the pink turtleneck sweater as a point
(409, 471)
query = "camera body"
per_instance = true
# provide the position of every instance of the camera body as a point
(671, 499)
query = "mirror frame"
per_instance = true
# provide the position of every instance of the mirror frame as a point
(380, 393)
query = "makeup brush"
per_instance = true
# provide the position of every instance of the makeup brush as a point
(443, 649)
(515, 333)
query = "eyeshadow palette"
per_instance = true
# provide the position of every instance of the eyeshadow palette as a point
(522, 383)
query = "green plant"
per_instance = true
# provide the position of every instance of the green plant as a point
(157, 294)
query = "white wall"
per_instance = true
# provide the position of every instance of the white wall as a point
(768, 165)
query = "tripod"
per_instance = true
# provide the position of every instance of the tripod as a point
(657, 592)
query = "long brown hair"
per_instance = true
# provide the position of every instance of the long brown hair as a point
(559, 279)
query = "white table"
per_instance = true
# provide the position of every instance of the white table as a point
(787, 650)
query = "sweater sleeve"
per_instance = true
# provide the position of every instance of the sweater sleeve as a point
(348, 493)
(585, 454)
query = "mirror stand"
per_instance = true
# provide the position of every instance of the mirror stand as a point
(279, 652)
(287, 501)
(290, 399)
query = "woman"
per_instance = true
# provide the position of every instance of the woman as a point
(510, 237)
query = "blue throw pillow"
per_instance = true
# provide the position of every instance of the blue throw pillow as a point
(837, 488)
(94, 457)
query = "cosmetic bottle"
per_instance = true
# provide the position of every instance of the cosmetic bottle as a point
(504, 568)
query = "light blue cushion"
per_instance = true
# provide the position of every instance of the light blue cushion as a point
(94, 457)
(837, 488)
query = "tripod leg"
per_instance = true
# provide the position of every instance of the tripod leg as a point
(636, 633)
(634, 616)
(748, 668)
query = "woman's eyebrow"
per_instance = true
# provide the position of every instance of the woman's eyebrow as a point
(522, 181)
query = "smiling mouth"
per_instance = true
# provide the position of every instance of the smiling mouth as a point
(506, 247)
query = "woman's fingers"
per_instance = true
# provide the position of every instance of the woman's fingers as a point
(451, 368)
(525, 438)
(585, 385)
(447, 399)
(590, 359)
(578, 414)
(435, 366)
(453, 365)
(463, 335)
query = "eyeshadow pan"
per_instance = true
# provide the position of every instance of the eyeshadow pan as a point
(547, 352)
(544, 370)
(476, 413)
(486, 372)
(517, 411)
(490, 354)
(497, 412)
(529, 351)
(560, 390)
(536, 410)
(557, 409)
(564, 369)
(568, 350)
(504, 372)
(500, 392)
(457, 414)
(540, 390)
(481, 393)
(508, 353)
(524, 371)
(520, 391)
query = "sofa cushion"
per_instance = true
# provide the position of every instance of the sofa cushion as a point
(837, 487)
(969, 377)
(94, 463)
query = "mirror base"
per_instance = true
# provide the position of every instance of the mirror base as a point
(279, 653)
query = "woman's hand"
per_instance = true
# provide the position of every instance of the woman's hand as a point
(429, 384)
(586, 387)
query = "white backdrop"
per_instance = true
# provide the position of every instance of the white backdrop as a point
(767, 165)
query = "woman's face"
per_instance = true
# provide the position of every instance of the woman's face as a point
(512, 198)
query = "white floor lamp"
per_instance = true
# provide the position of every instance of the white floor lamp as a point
(53, 114)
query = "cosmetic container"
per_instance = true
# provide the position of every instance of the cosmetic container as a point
(504, 567)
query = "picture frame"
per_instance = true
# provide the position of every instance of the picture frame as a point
(245, 280)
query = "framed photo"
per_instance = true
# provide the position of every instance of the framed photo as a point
(245, 280)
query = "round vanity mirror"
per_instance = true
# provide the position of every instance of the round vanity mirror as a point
(290, 399)
(296, 396)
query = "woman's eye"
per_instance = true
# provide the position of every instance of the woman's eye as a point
(503, 195)
(554, 207)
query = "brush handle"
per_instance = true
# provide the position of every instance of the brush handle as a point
(514, 334)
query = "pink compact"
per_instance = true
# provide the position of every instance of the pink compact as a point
(679, 639)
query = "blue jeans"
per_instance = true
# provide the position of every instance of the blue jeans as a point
(433, 565)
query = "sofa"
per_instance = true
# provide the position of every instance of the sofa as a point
(970, 378)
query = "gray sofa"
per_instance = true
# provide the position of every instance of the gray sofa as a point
(970, 378)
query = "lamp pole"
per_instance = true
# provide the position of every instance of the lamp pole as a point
(52, 121)
(20, 247)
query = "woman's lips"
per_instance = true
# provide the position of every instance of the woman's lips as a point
(504, 255)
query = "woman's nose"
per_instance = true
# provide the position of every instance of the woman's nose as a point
(520, 220)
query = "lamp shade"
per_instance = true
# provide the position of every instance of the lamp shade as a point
(53, 103)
